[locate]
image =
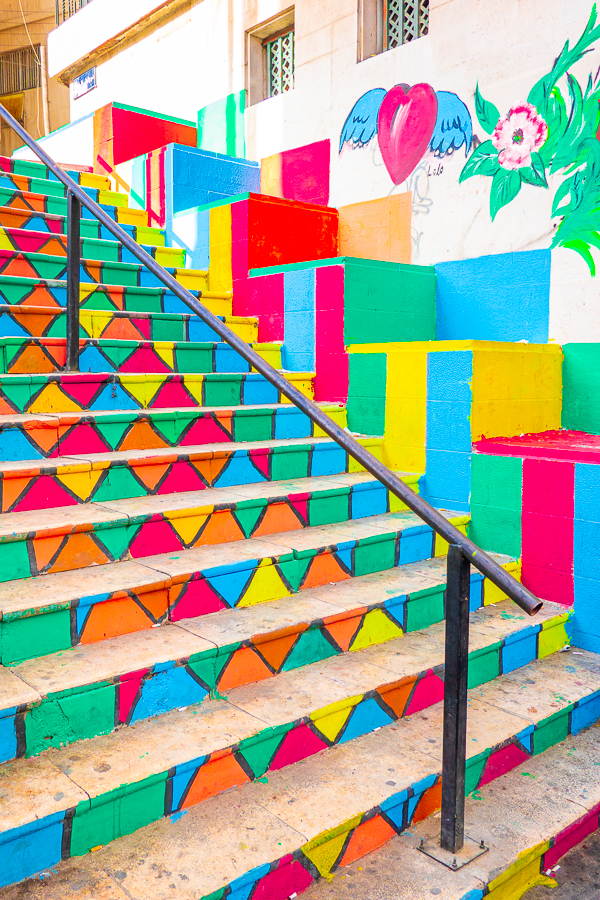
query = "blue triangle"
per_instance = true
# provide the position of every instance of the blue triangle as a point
(91, 360)
(239, 471)
(367, 716)
(114, 397)
(166, 691)
(230, 586)
(9, 328)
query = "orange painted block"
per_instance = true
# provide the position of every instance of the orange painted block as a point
(429, 803)
(367, 837)
(377, 229)
(245, 667)
(214, 777)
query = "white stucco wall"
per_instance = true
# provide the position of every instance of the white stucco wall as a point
(198, 56)
(73, 143)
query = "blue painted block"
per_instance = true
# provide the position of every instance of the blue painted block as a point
(367, 716)
(291, 423)
(30, 848)
(368, 500)
(190, 231)
(449, 425)
(587, 492)
(257, 390)
(197, 330)
(114, 397)
(195, 177)
(416, 544)
(476, 591)
(328, 459)
(180, 780)
(229, 360)
(447, 482)
(8, 737)
(231, 585)
(586, 549)
(586, 618)
(242, 887)
(586, 713)
(168, 690)
(519, 649)
(505, 297)
(525, 737)
(419, 789)
(239, 470)
(449, 375)
(91, 360)
(298, 353)
(15, 446)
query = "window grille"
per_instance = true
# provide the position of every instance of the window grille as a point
(67, 8)
(20, 70)
(406, 21)
(280, 63)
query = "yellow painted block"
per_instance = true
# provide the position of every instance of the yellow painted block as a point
(271, 353)
(127, 216)
(331, 724)
(187, 523)
(153, 236)
(81, 483)
(220, 277)
(377, 229)
(112, 198)
(374, 445)
(523, 875)
(339, 416)
(441, 546)
(5, 243)
(169, 256)
(376, 629)
(192, 279)
(266, 585)
(193, 383)
(493, 594)
(553, 636)
(325, 849)
(144, 387)
(52, 399)
(303, 381)
(89, 179)
(166, 351)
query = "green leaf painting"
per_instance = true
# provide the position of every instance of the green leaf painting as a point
(555, 132)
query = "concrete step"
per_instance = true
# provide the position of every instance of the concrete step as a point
(64, 392)
(94, 271)
(68, 481)
(19, 209)
(43, 435)
(34, 169)
(129, 678)
(35, 542)
(63, 608)
(314, 811)
(54, 188)
(20, 356)
(17, 291)
(27, 240)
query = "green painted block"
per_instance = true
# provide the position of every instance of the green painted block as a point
(194, 358)
(484, 664)
(27, 637)
(386, 302)
(105, 251)
(48, 266)
(310, 647)
(425, 608)
(29, 168)
(112, 429)
(168, 328)
(366, 392)
(105, 818)
(474, 770)
(581, 387)
(374, 556)
(142, 301)
(98, 300)
(328, 507)
(290, 464)
(14, 560)
(116, 538)
(253, 425)
(248, 512)
(496, 491)
(118, 483)
(552, 730)
(118, 273)
(226, 391)
(258, 751)
(63, 718)
(221, 125)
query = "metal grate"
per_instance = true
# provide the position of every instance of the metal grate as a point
(67, 8)
(406, 20)
(20, 70)
(280, 63)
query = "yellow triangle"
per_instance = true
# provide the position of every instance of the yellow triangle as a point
(324, 855)
(81, 484)
(166, 352)
(5, 243)
(265, 585)
(94, 321)
(193, 383)
(376, 629)
(52, 399)
(188, 525)
(331, 725)
(142, 387)
(85, 289)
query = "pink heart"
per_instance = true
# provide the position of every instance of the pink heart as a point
(404, 127)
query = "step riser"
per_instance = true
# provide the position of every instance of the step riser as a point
(150, 431)
(32, 169)
(52, 188)
(68, 392)
(34, 265)
(135, 696)
(37, 322)
(109, 816)
(89, 619)
(55, 244)
(33, 211)
(120, 479)
(30, 292)
(21, 357)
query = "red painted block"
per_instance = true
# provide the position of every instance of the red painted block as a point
(572, 836)
(121, 134)
(281, 232)
(305, 173)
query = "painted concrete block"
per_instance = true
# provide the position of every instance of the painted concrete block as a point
(377, 229)
(221, 125)
(299, 174)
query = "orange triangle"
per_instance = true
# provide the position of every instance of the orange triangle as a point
(44, 297)
(21, 181)
(142, 437)
(54, 247)
(204, 469)
(244, 667)
(150, 475)
(17, 219)
(32, 359)
(122, 329)
(79, 552)
(34, 324)
(45, 438)
(343, 632)
(397, 697)
(367, 837)
(214, 777)
(11, 490)
(220, 528)
(156, 602)
(19, 267)
(278, 517)
(113, 618)
(45, 548)
(5, 409)
(217, 464)
(94, 270)
(324, 569)
(276, 651)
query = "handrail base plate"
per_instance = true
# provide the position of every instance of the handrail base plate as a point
(454, 861)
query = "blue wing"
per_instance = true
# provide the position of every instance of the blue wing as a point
(453, 126)
(361, 125)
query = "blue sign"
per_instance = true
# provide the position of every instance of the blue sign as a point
(84, 83)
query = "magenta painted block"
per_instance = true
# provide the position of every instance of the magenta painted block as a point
(429, 690)
(239, 239)
(171, 395)
(198, 600)
(299, 743)
(155, 537)
(128, 689)
(204, 431)
(501, 762)
(538, 475)
(549, 584)
(181, 478)
(144, 360)
(265, 299)
(286, 880)
(331, 382)
(305, 173)
(572, 836)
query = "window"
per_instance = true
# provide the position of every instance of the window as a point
(385, 24)
(67, 8)
(20, 70)
(270, 58)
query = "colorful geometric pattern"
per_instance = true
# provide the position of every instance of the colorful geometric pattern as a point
(17, 238)
(63, 435)
(19, 210)
(54, 188)
(19, 356)
(75, 391)
(31, 169)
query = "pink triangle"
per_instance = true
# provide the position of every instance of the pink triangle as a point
(204, 431)
(502, 761)
(301, 507)
(144, 359)
(143, 325)
(83, 439)
(30, 241)
(128, 688)
(297, 744)
(198, 600)
(5, 164)
(44, 493)
(83, 388)
(288, 879)
(172, 394)
(182, 477)
(260, 460)
(155, 537)
(429, 690)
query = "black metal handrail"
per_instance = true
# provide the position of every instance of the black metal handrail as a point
(462, 551)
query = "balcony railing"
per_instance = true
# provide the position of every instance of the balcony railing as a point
(67, 8)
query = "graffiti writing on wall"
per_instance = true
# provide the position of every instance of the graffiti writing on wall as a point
(408, 122)
(554, 131)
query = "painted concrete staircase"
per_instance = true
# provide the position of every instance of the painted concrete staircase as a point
(198, 592)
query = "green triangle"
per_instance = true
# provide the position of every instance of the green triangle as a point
(311, 647)
(204, 668)
(258, 753)
(474, 770)
(248, 515)
(14, 293)
(18, 394)
(98, 300)
(118, 484)
(116, 539)
(112, 431)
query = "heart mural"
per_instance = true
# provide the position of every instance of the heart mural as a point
(405, 126)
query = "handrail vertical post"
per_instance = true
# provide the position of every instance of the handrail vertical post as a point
(455, 700)
(73, 266)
